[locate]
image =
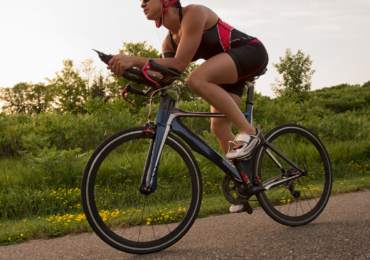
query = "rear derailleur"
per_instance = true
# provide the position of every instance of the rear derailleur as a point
(290, 172)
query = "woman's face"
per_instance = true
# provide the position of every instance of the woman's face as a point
(152, 9)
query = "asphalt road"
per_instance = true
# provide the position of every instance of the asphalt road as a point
(342, 231)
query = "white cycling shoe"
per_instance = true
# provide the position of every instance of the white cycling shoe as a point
(236, 208)
(244, 145)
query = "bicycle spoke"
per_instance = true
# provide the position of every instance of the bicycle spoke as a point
(164, 219)
(141, 221)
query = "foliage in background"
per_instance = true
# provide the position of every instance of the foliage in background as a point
(27, 98)
(71, 88)
(296, 72)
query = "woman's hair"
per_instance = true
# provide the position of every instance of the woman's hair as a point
(177, 4)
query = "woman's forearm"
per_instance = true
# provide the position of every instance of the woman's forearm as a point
(168, 62)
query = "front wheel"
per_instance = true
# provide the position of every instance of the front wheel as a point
(127, 219)
(299, 201)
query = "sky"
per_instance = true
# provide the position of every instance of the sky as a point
(36, 36)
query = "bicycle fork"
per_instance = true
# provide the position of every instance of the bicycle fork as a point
(150, 173)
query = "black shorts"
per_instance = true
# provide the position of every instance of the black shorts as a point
(250, 60)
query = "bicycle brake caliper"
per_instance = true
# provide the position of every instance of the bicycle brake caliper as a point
(151, 126)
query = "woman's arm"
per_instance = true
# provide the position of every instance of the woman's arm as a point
(192, 30)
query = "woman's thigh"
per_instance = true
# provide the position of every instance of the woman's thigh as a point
(219, 69)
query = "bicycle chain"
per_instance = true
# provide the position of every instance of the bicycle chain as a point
(226, 191)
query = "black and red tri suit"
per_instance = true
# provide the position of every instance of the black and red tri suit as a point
(248, 53)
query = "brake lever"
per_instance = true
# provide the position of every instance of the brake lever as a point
(124, 92)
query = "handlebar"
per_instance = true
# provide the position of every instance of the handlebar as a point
(143, 78)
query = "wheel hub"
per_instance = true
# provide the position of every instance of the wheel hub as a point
(145, 191)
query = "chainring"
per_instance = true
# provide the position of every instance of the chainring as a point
(231, 193)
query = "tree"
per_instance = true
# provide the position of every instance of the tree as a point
(70, 89)
(296, 71)
(99, 88)
(27, 98)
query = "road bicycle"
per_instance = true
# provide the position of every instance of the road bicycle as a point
(142, 188)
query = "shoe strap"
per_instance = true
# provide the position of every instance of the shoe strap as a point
(232, 142)
(243, 138)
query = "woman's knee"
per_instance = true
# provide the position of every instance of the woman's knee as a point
(192, 81)
(195, 82)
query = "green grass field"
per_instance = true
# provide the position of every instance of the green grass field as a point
(35, 205)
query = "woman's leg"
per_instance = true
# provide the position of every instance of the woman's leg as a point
(219, 69)
(221, 127)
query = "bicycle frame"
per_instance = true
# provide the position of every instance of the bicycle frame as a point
(169, 120)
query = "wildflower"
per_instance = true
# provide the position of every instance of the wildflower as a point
(24, 220)
(21, 235)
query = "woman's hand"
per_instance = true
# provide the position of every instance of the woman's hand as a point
(119, 63)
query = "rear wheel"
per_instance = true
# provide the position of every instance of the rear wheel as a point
(125, 218)
(300, 201)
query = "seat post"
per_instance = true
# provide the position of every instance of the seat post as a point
(249, 103)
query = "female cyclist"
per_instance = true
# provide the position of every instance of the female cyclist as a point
(196, 32)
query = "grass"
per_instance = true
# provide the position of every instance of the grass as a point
(38, 201)
(42, 227)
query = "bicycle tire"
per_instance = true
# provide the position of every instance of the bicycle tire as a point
(304, 148)
(117, 211)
